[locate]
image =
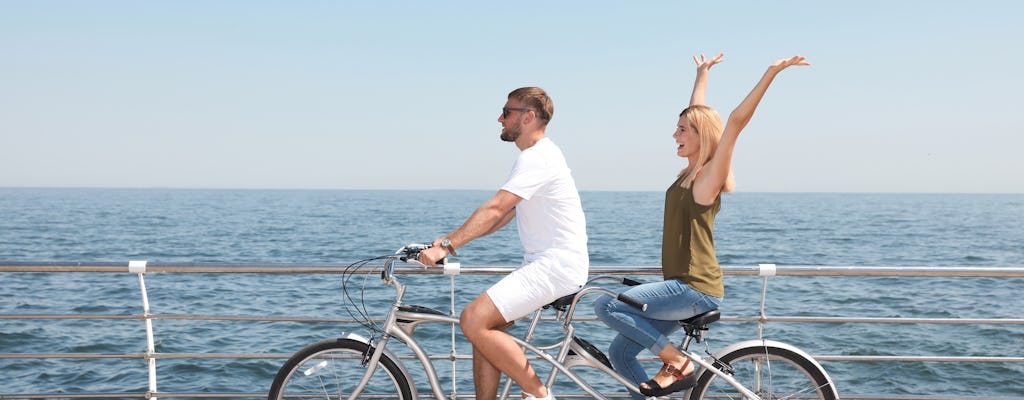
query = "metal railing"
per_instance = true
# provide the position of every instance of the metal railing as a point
(151, 356)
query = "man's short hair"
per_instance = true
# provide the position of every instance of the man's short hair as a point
(537, 99)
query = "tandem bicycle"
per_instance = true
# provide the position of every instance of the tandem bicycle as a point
(356, 367)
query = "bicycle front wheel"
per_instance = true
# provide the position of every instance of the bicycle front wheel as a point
(770, 371)
(331, 369)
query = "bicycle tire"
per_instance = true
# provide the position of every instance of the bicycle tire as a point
(771, 372)
(331, 368)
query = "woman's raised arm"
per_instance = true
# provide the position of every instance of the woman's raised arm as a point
(716, 171)
(700, 85)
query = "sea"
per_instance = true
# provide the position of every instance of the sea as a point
(66, 226)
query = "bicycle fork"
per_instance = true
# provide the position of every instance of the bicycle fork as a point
(371, 359)
(390, 328)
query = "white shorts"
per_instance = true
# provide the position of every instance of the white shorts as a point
(536, 284)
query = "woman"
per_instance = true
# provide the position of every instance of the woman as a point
(693, 279)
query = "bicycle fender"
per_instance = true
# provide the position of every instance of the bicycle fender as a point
(354, 336)
(772, 343)
(387, 353)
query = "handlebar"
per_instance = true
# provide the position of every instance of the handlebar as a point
(625, 298)
(410, 253)
(631, 301)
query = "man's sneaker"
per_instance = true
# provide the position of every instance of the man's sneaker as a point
(531, 397)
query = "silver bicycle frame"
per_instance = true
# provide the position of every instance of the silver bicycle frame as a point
(392, 328)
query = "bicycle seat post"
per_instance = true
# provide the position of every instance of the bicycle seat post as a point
(696, 327)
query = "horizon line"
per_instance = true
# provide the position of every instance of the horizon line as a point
(473, 190)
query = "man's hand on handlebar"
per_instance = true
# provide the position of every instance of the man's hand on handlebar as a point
(431, 256)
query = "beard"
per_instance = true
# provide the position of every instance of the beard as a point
(511, 133)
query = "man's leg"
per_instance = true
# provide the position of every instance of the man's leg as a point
(486, 377)
(494, 352)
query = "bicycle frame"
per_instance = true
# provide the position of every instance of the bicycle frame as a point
(403, 331)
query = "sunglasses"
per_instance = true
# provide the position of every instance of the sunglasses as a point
(505, 110)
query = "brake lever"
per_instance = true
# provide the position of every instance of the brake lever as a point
(411, 253)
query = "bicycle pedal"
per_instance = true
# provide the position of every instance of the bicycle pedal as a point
(584, 349)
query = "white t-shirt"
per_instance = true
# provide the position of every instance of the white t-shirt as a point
(550, 216)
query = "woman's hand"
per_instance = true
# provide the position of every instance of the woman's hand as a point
(704, 64)
(787, 62)
(701, 83)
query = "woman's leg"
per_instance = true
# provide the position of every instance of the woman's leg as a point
(622, 353)
(667, 302)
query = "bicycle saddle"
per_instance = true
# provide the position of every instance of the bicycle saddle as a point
(701, 320)
(561, 303)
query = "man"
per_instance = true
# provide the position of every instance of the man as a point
(542, 196)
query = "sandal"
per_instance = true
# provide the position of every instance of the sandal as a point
(653, 389)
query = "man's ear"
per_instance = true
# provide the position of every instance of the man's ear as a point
(530, 118)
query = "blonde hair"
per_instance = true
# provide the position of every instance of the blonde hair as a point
(708, 125)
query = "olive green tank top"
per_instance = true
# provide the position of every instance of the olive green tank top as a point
(687, 244)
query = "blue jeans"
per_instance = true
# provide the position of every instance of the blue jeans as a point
(667, 302)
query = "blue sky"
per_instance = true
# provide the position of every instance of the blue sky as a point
(902, 96)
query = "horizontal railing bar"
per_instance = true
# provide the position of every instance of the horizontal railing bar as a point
(257, 318)
(180, 317)
(936, 359)
(863, 397)
(200, 395)
(162, 395)
(72, 395)
(176, 395)
(69, 316)
(335, 268)
(252, 356)
(167, 395)
(261, 395)
(70, 355)
(884, 320)
(154, 355)
(834, 320)
(845, 397)
(945, 359)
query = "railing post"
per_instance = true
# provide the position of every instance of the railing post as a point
(140, 268)
(452, 269)
(765, 271)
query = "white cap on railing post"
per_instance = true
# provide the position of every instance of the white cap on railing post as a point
(137, 266)
(452, 268)
(765, 271)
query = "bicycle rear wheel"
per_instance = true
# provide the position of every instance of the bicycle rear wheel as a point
(770, 371)
(330, 369)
